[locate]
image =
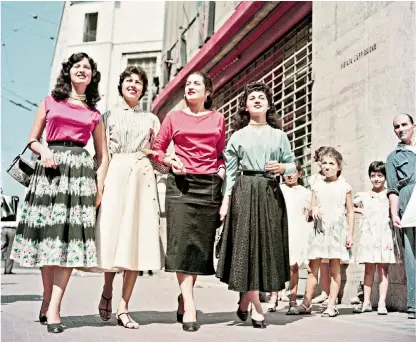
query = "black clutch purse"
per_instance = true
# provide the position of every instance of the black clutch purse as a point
(20, 169)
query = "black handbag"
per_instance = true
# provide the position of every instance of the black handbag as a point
(22, 170)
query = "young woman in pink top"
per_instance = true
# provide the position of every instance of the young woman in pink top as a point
(56, 228)
(193, 190)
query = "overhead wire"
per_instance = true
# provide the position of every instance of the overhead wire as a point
(17, 104)
(3, 44)
(20, 97)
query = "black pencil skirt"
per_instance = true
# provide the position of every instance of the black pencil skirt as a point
(192, 205)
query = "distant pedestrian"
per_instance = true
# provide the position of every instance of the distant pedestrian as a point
(375, 245)
(9, 221)
(332, 236)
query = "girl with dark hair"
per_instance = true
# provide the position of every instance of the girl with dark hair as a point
(56, 229)
(298, 201)
(127, 228)
(193, 190)
(332, 236)
(254, 253)
(375, 245)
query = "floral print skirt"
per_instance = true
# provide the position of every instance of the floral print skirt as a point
(56, 227)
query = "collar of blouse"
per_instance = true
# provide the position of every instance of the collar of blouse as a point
(125, 106)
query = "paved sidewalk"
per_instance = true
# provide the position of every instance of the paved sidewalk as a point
(153, 305)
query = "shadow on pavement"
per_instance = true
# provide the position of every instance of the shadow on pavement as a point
(7, 299)
(169, 317)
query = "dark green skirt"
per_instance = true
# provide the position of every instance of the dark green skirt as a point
(192, 205)
(254, 254)
(56, 227)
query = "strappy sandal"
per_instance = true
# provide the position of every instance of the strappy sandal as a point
(301, 310)
(329, 313)
(106, 317)
(134, 325)
(292, 308)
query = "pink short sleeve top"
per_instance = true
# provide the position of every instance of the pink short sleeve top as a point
(69, 121)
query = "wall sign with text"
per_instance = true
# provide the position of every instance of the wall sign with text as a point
(358, 56)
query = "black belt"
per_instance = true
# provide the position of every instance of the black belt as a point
(66, 143)
(261, 174)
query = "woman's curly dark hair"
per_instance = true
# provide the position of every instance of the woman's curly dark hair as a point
(242, 118)
(132, 69)
(63, 85)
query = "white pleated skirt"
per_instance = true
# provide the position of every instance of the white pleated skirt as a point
(127, 230)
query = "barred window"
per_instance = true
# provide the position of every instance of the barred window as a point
(287, 68)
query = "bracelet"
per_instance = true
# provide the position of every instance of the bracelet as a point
(221, 167)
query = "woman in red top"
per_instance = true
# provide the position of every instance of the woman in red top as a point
(193, 190)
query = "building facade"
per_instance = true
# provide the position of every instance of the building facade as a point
(339, 71)
(115, 34)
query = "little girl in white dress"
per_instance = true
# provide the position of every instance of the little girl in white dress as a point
(375, 246)
(332, 236)
(297, 199)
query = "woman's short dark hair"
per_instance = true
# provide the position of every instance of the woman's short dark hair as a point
(132, 69)
(208, 87)
(63, 86)
(377, 166)
(242, 117)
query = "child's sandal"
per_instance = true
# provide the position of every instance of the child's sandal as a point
(361, 309)
(292, 309)
(331, 311)
(301, 310)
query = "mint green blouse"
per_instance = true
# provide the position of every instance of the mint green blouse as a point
(250, 148)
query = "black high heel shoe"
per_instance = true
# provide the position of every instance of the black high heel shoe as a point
(242, 314)
(56, 328)
(190, 326)
(42, 318)
(179, 317)
(258, 324)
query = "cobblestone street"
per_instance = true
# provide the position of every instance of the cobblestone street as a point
(153, 305)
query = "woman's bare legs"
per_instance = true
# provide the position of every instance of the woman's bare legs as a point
(60, 281)
(186, 284)
(105, 306)
(256, 309)
(129, 280)
(47, 273)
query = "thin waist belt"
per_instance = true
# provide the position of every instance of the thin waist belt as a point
(66, 143)
(261, 174)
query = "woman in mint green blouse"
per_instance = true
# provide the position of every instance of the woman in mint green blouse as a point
(254, 251)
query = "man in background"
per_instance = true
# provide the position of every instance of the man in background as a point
(9, 221)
